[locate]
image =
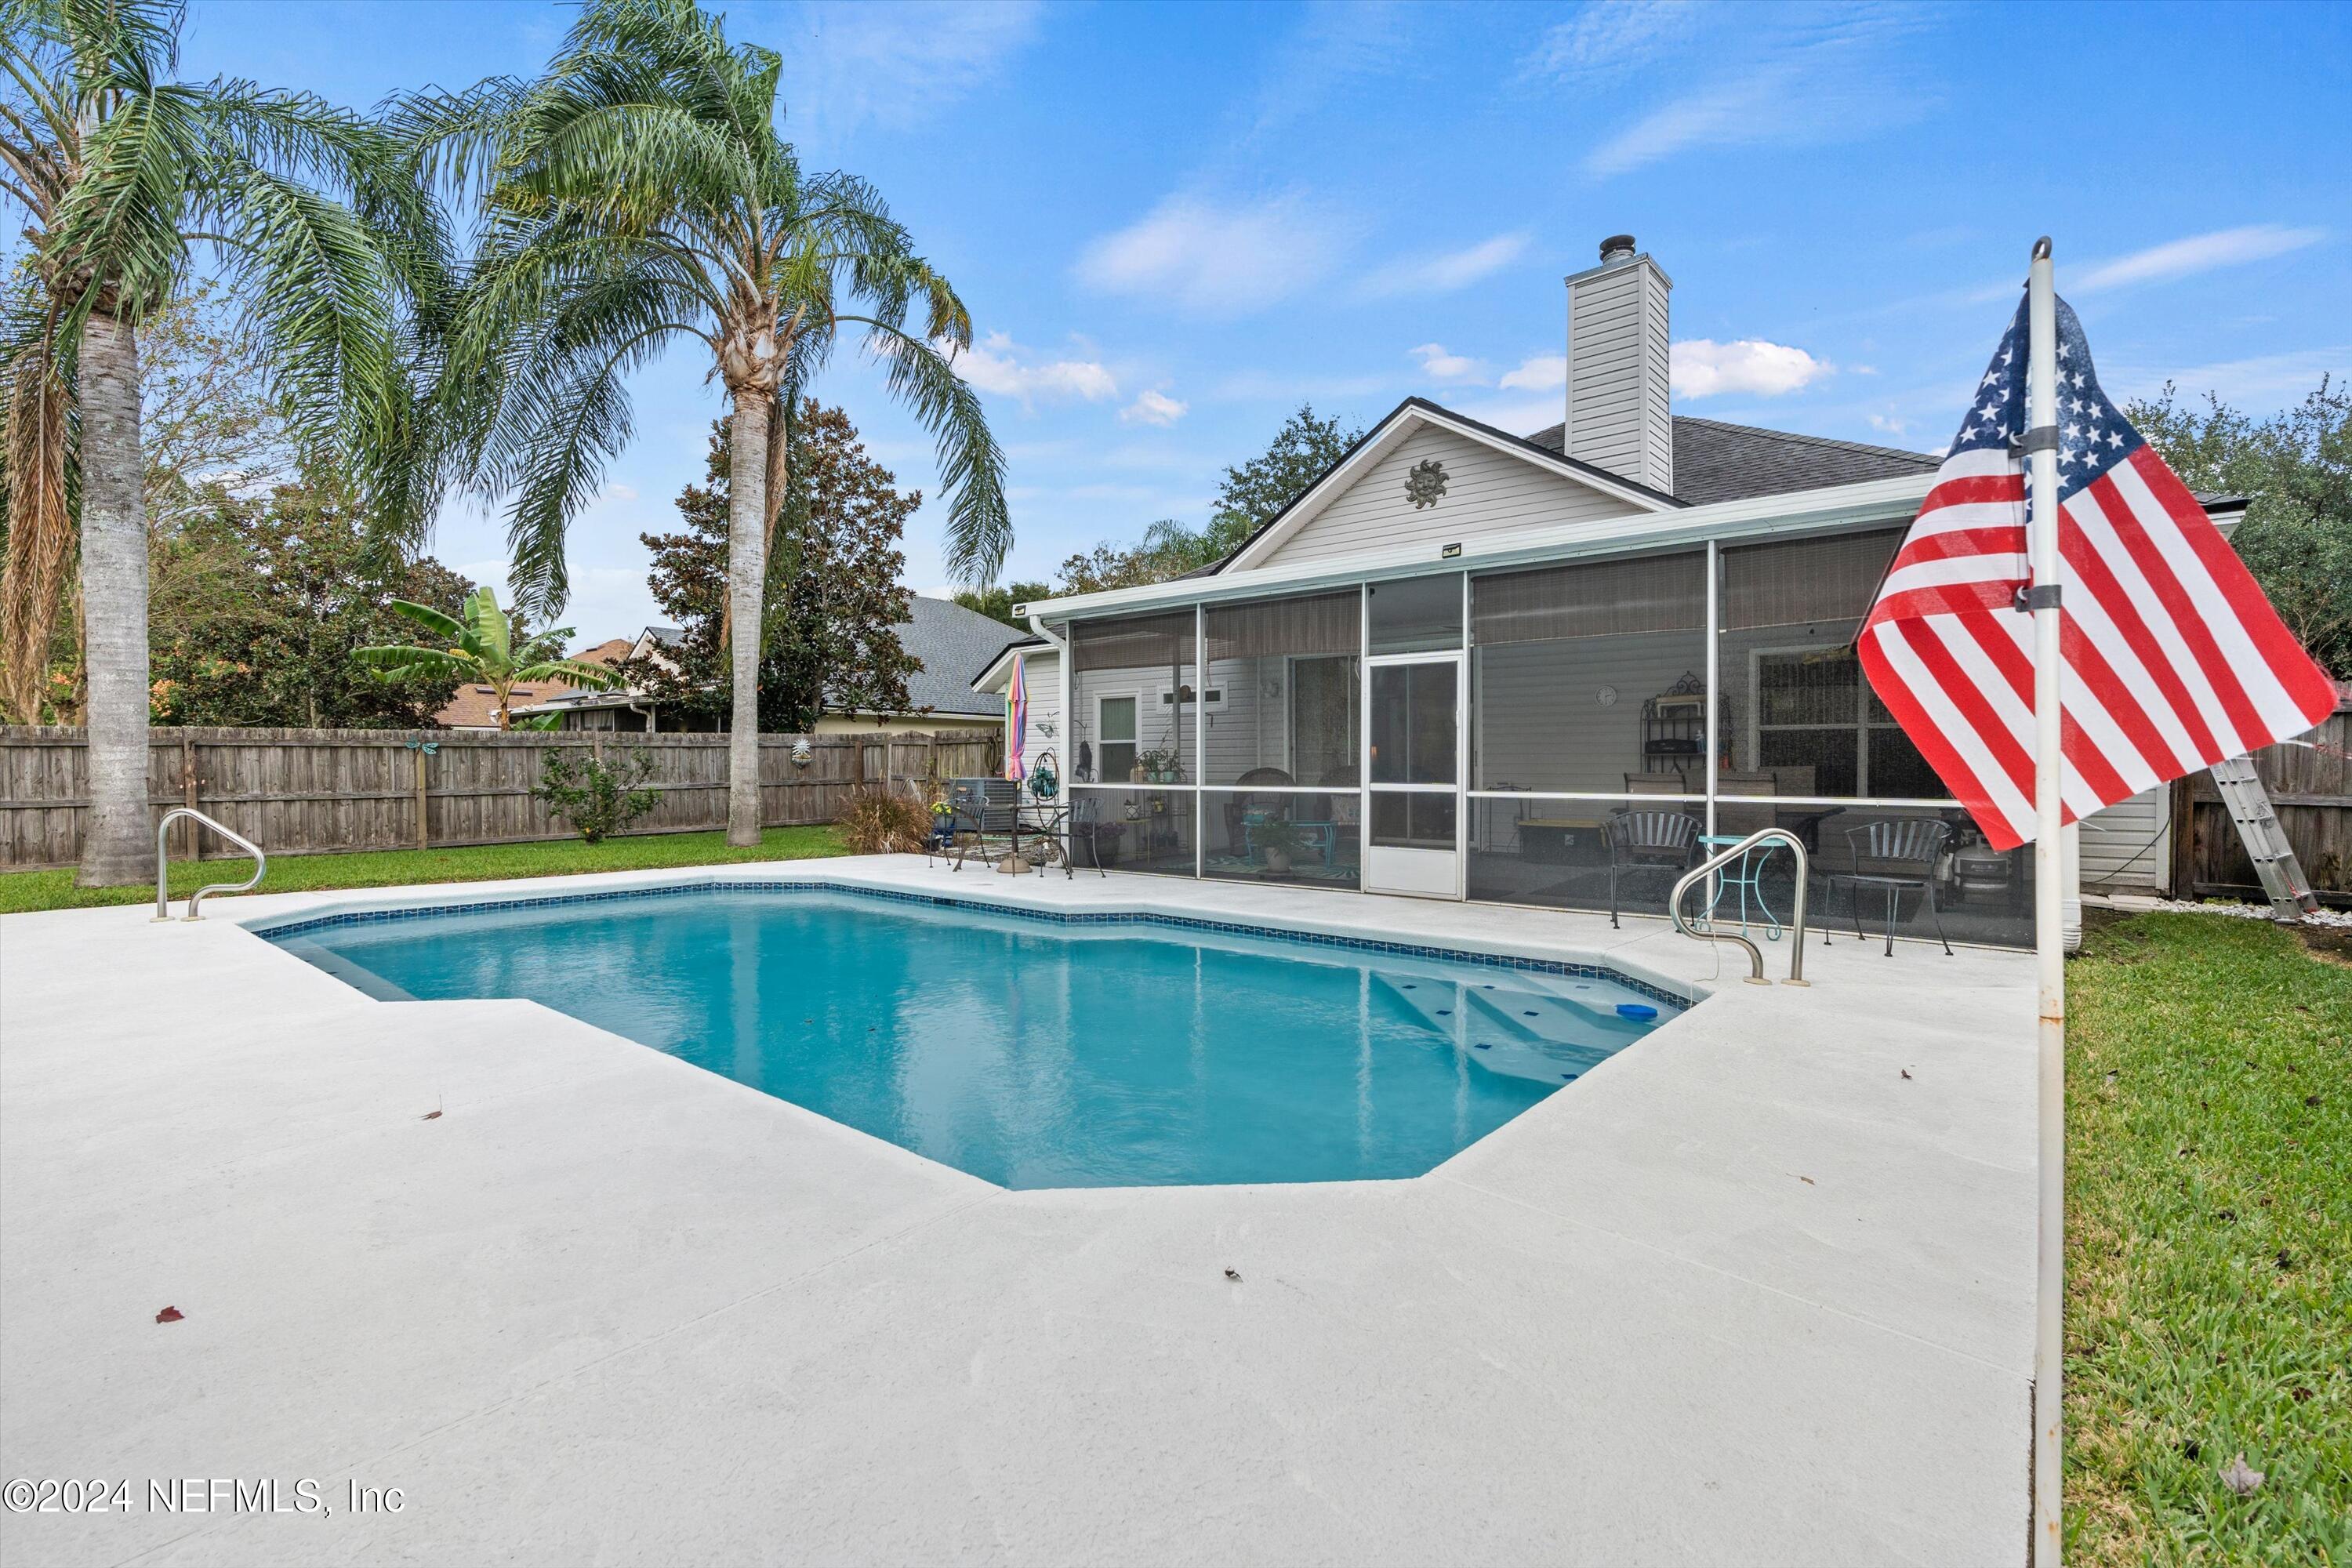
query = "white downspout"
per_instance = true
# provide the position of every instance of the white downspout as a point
(1062, 668)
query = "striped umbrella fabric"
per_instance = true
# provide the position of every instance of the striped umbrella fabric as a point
(1016, 717)
(2174, 659)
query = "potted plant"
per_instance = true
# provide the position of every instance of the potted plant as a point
(1102, 841)
(1280, 839)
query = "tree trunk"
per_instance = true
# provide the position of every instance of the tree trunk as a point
(747, 581)
(120, 836)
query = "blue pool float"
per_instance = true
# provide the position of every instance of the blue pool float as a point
(1636, 1010)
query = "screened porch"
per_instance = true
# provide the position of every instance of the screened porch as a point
(1564, 735)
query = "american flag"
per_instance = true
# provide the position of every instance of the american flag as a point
(2174, 659)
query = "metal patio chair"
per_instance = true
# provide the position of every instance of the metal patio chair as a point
(1894, 856)
(1649, 841)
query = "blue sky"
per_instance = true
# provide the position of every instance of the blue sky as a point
(1172, 223)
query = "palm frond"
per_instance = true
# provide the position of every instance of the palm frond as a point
(489, 631)
(402, 659)
(447, 627)
(579, 673)
(972, 464)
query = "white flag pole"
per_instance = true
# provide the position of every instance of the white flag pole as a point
(2049, 895)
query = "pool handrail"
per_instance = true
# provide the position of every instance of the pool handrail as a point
(1716, 862)
(163, 864)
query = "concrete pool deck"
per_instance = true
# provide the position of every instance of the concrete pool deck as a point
(1744, 1293)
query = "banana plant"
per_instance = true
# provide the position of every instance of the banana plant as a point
(485, 645)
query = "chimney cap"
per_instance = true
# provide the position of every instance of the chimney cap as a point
(1617, 247)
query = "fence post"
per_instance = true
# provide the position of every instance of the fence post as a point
(188, 787)
(423, 820)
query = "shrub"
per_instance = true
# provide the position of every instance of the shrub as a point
(881, 821)
(597, 798)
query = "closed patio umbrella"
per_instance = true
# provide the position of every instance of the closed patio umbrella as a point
(1016, 717)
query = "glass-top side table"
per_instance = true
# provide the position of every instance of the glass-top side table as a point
(1748, 877)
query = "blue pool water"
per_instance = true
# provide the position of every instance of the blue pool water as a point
(1036, 1054)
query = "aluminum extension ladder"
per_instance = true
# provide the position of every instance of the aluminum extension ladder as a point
(2249, 808)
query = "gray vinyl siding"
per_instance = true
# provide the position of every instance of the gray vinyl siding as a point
(1043, 674)
(2127, 847)
(1540, 722)
(1486, 492)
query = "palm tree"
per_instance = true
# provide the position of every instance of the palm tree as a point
(637, 194)
(332, 247)
(484, 646)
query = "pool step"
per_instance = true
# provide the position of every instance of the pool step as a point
(1566, 1036)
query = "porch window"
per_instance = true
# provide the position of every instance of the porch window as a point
(1795, 715)
(1115, 758)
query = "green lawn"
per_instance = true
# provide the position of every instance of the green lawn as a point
(22, 891)
(2209, 1227)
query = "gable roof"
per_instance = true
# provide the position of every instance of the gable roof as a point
(951, 641)
(1715, 461)
(1412, 414)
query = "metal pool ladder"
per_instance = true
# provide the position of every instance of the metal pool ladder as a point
(1715, 863)
(162, 866)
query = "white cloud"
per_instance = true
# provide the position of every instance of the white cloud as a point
(1215, 260)
(1899, 429)
(1703, 368)
(1610, 36)
(1837, 80)
(1446, 273)
(1539, 372)
(994, 364)
(1439, 365)
(896, 66)
(1153, 408)
(2197, 253)
(1337, 45)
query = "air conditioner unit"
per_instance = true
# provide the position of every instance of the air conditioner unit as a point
(983, 804)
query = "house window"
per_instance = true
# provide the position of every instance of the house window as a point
(1814, 710)
(1115, 725)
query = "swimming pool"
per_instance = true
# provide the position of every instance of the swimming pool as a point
(1035, 1052)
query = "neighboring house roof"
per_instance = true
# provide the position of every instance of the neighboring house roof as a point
(1715, 461)
(476, 707)
(951, 641)
(995, 673)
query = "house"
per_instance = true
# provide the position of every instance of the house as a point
(475, 706)
(947, 640)
(1539, 668)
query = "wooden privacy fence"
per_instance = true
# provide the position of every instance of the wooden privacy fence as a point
(2310, 786)
(302, 792)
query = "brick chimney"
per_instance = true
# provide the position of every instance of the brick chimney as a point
(1618, 414)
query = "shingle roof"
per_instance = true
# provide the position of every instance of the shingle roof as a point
(1715, 461)
(951, 642)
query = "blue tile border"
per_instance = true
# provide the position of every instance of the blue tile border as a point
(1052, 917)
